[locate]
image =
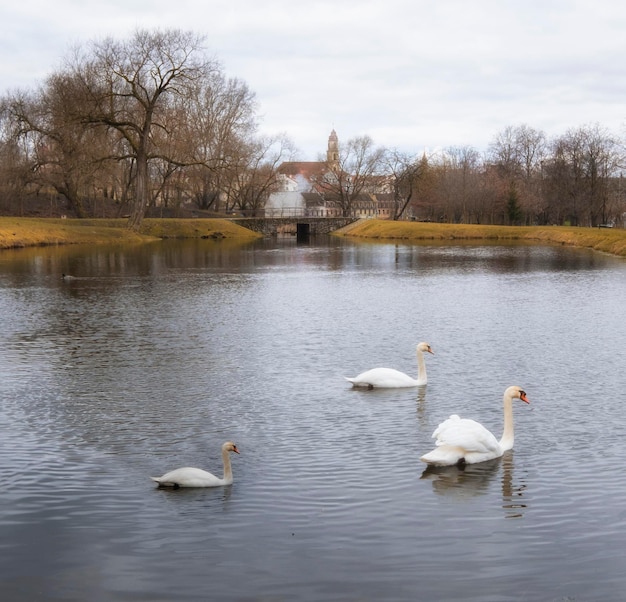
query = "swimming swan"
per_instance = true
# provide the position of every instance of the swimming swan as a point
(388, 378)
(195, 477)
(462, 441)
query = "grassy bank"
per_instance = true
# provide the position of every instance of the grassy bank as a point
(27, 232)
(606, 240)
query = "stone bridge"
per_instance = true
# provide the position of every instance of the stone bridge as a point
(295, 226)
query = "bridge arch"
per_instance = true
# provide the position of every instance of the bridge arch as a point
(301, 226)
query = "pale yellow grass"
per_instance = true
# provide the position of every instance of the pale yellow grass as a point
(25, 232)
(607, 240)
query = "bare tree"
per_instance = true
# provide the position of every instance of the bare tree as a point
(222, 123)
(462, 185)
(518, 153)
(345, 179)
(128, 86)
(63, 153)
(530, 150)
(15, 161)
(578, 175)
(602, 162)
(504, 153)
(254, 177)
(424, 203)
(406, 172)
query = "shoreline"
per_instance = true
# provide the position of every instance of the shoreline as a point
(604, 240)
(24, 232)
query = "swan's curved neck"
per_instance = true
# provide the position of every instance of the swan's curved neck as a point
(506, 442)
(421, 365)
(228, 471)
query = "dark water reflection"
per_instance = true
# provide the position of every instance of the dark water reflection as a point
(154, 355)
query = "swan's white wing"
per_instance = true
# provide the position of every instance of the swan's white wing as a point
(466, 434)
(384, 378)
(188, 477)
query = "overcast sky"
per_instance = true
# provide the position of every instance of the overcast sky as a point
(412, 74)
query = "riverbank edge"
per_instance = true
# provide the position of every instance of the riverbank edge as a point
(605, 240)
(28, 232)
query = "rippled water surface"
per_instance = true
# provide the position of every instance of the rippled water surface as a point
(155, 355)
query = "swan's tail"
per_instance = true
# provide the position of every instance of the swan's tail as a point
(445, 455)
(161, 483)
(357, 384)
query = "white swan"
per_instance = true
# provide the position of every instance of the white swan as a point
(196, 477)
(388, 378)
(462, 441)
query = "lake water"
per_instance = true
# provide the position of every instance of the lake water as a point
(156, 354)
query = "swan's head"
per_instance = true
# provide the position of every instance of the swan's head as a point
(229, 446)
(517, 392)
(425, 347)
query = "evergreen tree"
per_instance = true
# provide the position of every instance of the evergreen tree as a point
(513, 210)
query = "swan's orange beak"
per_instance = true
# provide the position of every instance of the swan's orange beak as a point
(235, 449)
(523, 397)
(430, 351)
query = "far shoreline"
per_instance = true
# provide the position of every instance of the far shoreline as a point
(604, 240)
(18, 232)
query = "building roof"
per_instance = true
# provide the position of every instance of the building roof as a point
(304, 168)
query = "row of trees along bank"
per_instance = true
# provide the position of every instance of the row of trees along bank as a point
(152, 121)
(145, 121)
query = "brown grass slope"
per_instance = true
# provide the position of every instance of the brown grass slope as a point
(606, 240)
(25, 232)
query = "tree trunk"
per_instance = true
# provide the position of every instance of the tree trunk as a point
(68, 190)
(141, 192)
(398, 214)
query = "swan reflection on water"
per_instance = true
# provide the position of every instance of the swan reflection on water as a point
(187, 501)
(390, 394)
(421, 402)
(475, 479)
(421, 394)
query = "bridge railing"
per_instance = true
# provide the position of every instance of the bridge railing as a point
(285, 212)
(301, 212)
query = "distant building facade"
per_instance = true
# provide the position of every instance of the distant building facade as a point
(300, 194)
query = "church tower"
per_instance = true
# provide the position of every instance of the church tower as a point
(332, 154)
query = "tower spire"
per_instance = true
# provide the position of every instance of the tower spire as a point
(332, 154)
